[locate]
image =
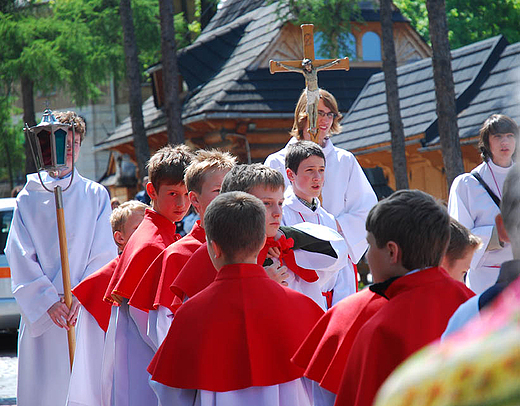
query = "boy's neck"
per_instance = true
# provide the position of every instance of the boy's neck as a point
(249, 259)
(313, 205)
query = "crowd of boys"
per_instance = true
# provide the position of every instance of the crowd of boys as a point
(250, 307)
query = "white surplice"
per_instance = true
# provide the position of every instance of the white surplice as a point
(295, 212)
(293, 393)
(347, 194)
(471, 205)
(33, 254)
(85, 380)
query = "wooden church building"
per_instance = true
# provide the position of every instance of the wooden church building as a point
(231, 101)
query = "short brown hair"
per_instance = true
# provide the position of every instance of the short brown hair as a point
(495, 124)
(168, 165)
(245, 177)
(235, 221)
(72, 118)
(416, 222)
(461, 239)
(203, 162)
(300, 151)
(123, 212)
(300, 113)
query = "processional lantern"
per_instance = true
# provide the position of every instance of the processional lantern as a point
(49, 144)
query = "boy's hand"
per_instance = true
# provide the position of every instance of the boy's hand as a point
(62, 316)
(273, 252)
(277, 273)
(58, 313)
(73, 311)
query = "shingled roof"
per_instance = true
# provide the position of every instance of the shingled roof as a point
(497, 94)
(366, 124)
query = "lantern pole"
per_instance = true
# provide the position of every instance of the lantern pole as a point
(48, 120)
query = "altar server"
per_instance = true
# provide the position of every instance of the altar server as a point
(475, 199)
(203, 179)
(129, 346)
(231, 344)
(346, 194)
(33, 254)
(408, 233)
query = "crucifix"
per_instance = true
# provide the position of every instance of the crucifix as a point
(309, 68)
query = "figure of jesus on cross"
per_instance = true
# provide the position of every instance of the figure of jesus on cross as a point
(309, 68)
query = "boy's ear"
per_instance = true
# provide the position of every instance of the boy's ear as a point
(150, 190)
(501, 228)
(216, 249)
(394, 252)
(118, 238)
(290, 174)
(194, 200)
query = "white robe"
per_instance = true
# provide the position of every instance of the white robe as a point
(128, 334)
(85, 379)
(293, 393)
(295, 212)
(33, 254)
(471, 205)
(347, 194)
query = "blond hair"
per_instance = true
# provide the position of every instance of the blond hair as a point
(168, 165)
(300, 113)
(121, 213)
(72, 118)
(203, 162)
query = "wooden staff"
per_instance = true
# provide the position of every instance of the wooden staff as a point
(65, 270)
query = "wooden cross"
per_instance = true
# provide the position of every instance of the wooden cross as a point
(309, 68)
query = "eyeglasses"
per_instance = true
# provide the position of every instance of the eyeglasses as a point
(330, 114)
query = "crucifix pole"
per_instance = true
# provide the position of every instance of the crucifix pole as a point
(309, 68)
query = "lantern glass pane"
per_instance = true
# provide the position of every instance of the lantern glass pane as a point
(60, 137)
(44, 139)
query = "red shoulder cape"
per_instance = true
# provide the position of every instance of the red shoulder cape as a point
(240, 331)
(199, 271)
(154, 287)
(90, 292)
(417, 313)
(153, 235)
(324, 352)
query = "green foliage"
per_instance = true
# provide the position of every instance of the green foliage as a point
(469, 21)
(331, 17)
(11, 143)
(416, 12)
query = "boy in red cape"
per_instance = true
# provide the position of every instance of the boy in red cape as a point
(325, 351)
(203, 179)
(129, 347)
(316, 245)
(85, 379)
(231, 344)
(407, 233)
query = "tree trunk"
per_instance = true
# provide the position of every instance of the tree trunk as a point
(172, 105)
(142, 151)
(392, 97)
(444, 90)
(29, 118)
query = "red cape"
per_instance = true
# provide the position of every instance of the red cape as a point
(90, 292)
(153, 235)
(154, 287)
(240, 331)
(417, 313)
(199, 271)
(324, 352)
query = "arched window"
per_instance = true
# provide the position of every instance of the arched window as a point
(371, 46)
(346, 42)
